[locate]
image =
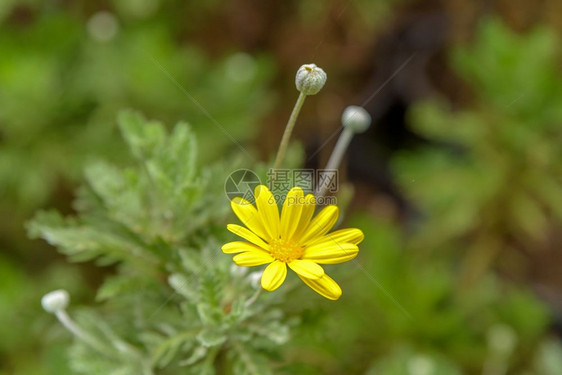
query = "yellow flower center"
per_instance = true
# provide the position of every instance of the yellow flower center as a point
(285, 252)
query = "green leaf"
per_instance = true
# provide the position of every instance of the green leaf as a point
(247, 361)
(209, 314)
(120, 284)
(169, 348)
(209, 337)
(143, 138)
(83, 242)
(184, 286)
(197, 354)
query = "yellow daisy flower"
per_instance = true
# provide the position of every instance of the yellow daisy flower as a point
(292, 238)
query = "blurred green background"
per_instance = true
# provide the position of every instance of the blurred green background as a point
(457, 186)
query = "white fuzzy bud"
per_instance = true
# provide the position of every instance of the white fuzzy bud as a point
(255, 279)
(55, 301)
(310, 79)
(356, 118)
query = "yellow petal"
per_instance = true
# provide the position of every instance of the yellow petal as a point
(306, 214)
(325, 286)
(268, 210)
(252, 258)
(331, 253)
(247, 235)
(306, 268)
(348, 235)
(238, 247)
(273, 276)
(248, 215)
(321, 224)
(291, 213)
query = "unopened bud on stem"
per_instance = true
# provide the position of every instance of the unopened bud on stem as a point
(55, 301)
(310, 79)
(356, 118)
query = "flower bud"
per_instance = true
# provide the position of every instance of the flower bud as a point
(310, 79)
(255, 279)
(356, 118)
(55, 301)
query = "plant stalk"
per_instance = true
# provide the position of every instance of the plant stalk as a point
(337, 155)
(288, 131)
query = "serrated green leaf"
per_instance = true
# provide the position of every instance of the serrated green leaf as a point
(184, 286)
(142, 137)
(170, 347)
(197, 354)
(246, 361)
(209, 337)
(209, 314)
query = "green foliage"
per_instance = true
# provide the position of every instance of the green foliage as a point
(75, 83)
(406, 362)
(174, 304)
(499, 180)
(28, 322)
(140, 213)
(60, 88)
(420, 319)
(548, 360)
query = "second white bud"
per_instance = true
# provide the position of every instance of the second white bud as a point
(55, 300)
(356, 118)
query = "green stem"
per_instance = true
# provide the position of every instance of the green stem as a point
(69, 324)
(288, 131)
(254, 297)
(337, 155)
